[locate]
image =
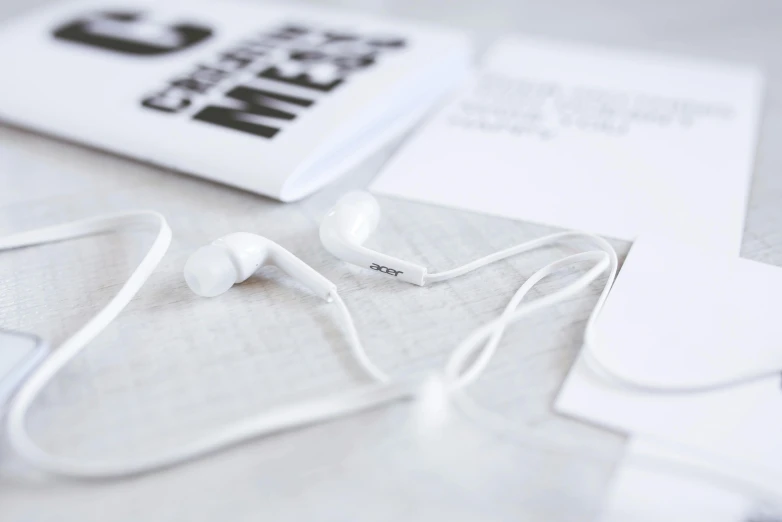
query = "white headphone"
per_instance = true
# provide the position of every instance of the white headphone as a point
(213, 269)
(356, 216)
(232, 259)
(345, 228)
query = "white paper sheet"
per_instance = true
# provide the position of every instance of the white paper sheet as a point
(612, 142)
(702, 317)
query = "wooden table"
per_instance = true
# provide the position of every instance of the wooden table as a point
(174, 366)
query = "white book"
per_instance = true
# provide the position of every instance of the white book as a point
(271, 98)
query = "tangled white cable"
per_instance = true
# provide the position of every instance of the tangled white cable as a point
(211, 271)
(356, 216)
(232, 259)
(17, 432)
(481, 345)
(278, 419)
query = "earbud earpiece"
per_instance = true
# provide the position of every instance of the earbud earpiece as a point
(357, 214)
(213, 269)
(209, 271)
(345, 228)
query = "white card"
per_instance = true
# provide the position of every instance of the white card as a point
(741, 423)
(689, 319)
(611, 142)
(658, 481)
(679, 317)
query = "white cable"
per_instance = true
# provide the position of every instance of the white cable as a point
(17, 411)
(457, 377)
(278, 419)
(90, 226)
(480, 345)
(281, 418)
(354, 341)
(512, 251)
(590, 351)
(455, 371)
(490, 334)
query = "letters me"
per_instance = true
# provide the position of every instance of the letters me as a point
(254, 104)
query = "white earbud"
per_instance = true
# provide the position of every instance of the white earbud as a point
(345, 228)
(213, 269)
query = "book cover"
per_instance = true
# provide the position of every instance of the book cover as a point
(275, 99)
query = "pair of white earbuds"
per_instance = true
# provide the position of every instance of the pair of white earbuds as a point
(215, 268)
(232, 259)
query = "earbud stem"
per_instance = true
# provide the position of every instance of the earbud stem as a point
(346, 227)
(301, 271)
(250, 251)
(390, 266)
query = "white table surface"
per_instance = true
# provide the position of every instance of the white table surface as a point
(174, 366)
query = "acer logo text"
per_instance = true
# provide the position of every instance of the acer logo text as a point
(385, 269)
